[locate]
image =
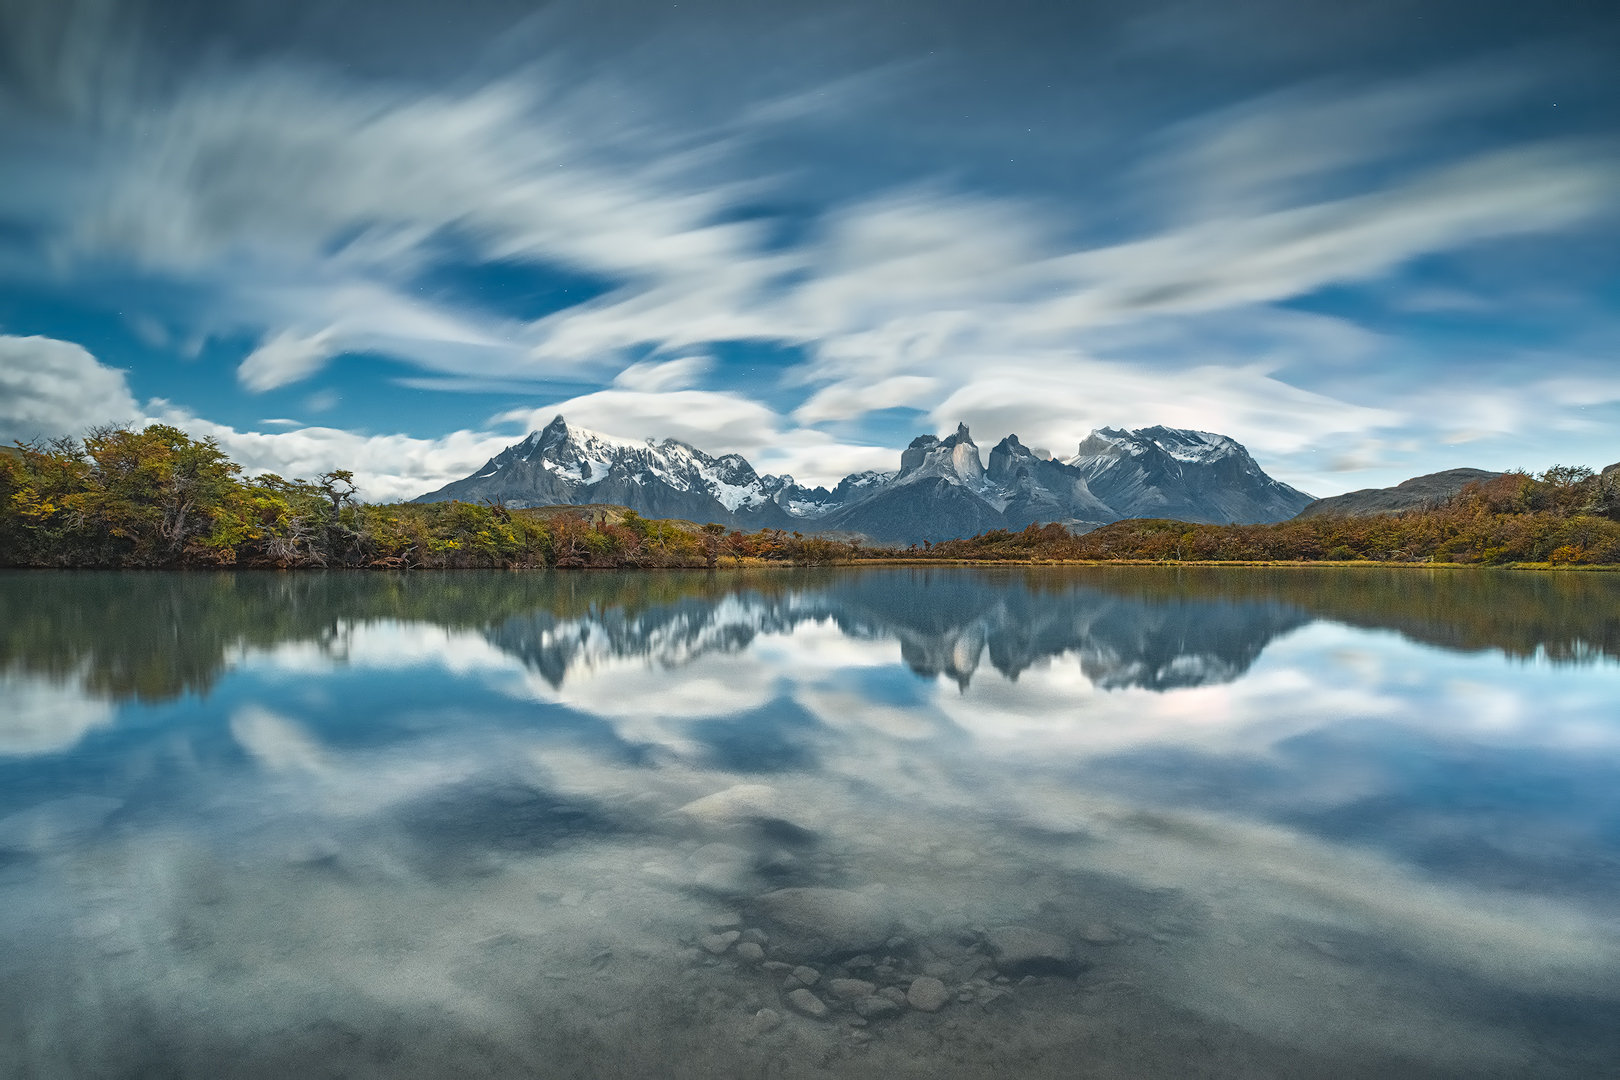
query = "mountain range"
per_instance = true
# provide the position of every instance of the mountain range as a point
(942, 489)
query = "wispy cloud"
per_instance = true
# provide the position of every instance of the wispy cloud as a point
(305, 207)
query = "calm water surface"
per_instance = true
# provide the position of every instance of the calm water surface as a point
(1250, 823)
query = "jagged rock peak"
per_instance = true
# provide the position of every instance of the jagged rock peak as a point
(1006, 456)
(955, 458)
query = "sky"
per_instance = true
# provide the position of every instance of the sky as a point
(1366, 240)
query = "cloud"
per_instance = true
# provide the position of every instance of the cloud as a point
(308, 207)
(653, 376)
(286, 358)
(716, 423)
(1286, 253)
(854, 398)
(386, 467)
(284, 162)
(50, 387)
(305, 206)
(961, 305)
(1298, 145)
(1056, 401)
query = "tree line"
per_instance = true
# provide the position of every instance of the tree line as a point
(1565, 516)
(159, 498)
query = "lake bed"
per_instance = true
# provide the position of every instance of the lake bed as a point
(1132, 822)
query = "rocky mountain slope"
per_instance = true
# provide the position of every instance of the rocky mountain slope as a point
(1413, 494)
(943, 489)
(566, 465)
(1164, 472)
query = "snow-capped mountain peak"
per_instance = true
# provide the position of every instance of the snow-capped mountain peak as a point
(1183, 474)
(1182, 444)
(942, 488)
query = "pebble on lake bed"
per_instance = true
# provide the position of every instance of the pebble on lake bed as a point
(765, 1020)
(750, 953)
(803, 1001)
(851, 989)
(876, 1007)
(719, 943)
(809, 976)
(927, 994)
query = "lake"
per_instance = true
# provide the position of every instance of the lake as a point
(989, 822)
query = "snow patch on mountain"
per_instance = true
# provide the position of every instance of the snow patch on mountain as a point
(942, 488)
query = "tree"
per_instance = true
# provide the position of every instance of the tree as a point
(712, 532)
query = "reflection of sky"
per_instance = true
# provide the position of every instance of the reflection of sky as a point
(1462, 804)
(1461, 763)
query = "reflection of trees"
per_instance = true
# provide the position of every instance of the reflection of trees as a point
(156, 635)
(1564, 615)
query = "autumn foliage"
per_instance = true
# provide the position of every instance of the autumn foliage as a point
(157, 497)
(1567, 516)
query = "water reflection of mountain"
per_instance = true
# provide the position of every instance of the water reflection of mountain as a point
(156, 635)
(946, 623)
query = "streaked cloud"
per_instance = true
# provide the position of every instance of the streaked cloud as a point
(306, 210)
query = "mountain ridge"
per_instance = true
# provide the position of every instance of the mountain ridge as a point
(942, 489)
(1417, 493)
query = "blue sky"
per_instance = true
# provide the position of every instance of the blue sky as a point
(1367, 240)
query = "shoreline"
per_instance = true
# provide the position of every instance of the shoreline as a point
(774, 564)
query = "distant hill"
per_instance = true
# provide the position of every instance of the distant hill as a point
(1414, 494)
(942, 489)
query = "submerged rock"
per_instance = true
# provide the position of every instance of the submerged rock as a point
(993, 998)
(851, 989)
(803, 1001)
(876, 1007)
(814, 922)
(718, 943)
(927, 994)
(1018, 950)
